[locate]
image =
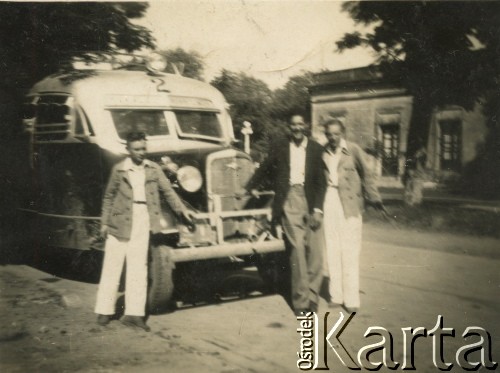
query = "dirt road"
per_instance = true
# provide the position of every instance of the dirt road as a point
(408, 279)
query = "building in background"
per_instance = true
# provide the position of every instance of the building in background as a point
(377, 116)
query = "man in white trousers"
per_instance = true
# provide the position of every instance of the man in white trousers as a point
(131, 210)
(349, 184)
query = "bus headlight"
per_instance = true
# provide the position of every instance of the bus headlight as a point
(189, 178)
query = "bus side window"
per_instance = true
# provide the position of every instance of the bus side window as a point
(79, 130)
(82, 127)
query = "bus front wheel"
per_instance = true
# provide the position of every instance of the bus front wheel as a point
(161, 284)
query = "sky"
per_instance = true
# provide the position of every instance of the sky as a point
(270, 40)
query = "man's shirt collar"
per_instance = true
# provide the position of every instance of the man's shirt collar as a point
(129, 165)
(342, 147)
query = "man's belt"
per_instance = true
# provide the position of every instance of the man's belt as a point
(141, 202)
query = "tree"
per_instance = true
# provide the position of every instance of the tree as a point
(268, 111)
(441, 52)
(482, 175)
(191, 63)
(250, 99)
(293, 98)
(37, 39)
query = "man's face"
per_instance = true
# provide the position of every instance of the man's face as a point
(297, 127)
(137, 151)
(333, 133)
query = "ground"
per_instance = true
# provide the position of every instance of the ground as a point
(408, 278)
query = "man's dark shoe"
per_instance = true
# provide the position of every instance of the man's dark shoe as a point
(135, 322)
(103, 319)
(313, 306)
(301, 311)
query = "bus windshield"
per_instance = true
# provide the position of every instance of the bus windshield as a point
(151, 122)
(199, 124)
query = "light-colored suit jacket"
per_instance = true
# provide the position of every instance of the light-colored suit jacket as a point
(356, 182)
(118, 199)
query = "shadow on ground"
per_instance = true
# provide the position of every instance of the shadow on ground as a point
(83, 266)
(197, 284)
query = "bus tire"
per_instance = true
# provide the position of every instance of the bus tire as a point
(273, 271)
(161, 284)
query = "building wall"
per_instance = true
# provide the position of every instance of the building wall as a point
(364, 115)
(369, 107)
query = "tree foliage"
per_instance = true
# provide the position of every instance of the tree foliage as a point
(268, 111)
(190, 62)
(442, 52)
(39, 39)
(36, 39)
(293, 98)
(250, 99)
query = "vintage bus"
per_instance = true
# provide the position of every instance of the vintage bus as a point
(78, 122)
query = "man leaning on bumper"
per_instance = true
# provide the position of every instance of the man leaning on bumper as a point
(131, 209)
(295, 173)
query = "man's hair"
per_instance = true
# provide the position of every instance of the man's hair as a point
(297, 115)
(135, 136)
(333, 121)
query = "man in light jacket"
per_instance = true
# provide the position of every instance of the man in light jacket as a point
(131, 209)
(349, 184)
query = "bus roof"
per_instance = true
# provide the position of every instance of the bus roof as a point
(113, 84)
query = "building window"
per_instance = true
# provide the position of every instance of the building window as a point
(450, 144)
(390, 149)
